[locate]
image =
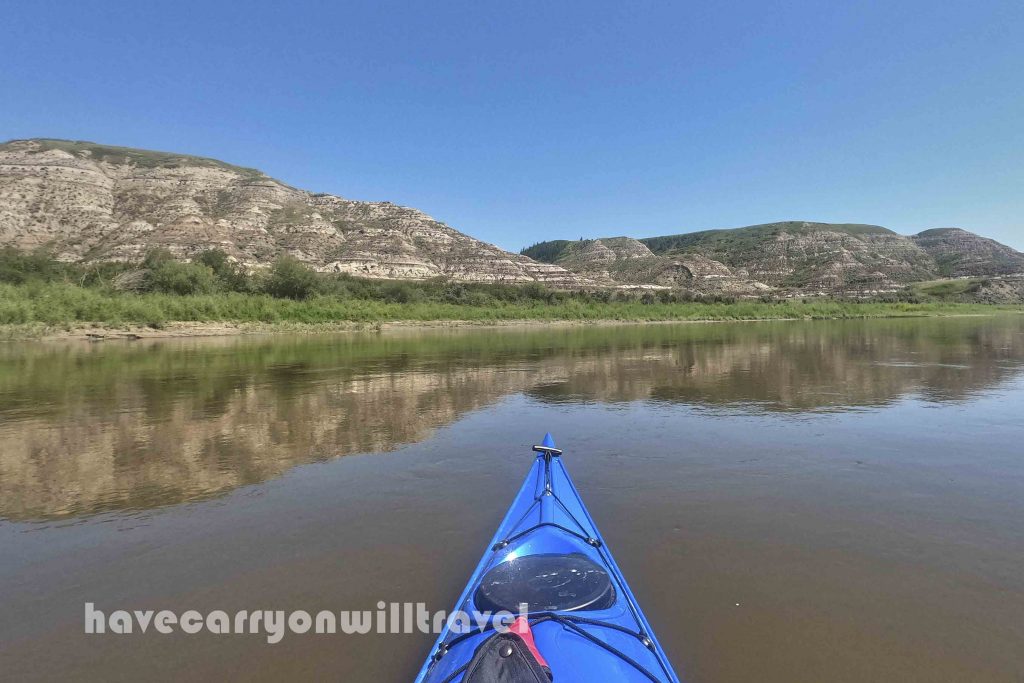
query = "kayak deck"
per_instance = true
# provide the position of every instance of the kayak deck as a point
(548, 553)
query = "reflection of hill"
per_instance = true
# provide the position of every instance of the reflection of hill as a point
(136, 427)
(804, 367)
(86, 429)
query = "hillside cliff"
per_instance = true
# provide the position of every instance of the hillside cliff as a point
(789, 256)
(623, 261)
(959, 253)
(85, 201)
(88, 202)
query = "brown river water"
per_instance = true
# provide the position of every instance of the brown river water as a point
(792, 501)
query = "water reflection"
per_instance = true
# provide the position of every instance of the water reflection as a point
(85, 429)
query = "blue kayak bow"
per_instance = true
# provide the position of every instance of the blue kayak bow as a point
(548, 562)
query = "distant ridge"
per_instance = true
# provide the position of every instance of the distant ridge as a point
(85, 201)
(789, 255)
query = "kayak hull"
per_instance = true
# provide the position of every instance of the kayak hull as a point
(586, 622)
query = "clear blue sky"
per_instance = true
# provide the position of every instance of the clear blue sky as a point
(523, 121)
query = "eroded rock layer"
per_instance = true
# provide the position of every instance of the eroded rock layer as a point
(93, 202)
(793, 256)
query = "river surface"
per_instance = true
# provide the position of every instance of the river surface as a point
(793, 501)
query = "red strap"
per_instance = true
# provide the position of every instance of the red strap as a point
(521, 627)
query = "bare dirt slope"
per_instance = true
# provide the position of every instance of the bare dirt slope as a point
(795, 256)
(94, 202)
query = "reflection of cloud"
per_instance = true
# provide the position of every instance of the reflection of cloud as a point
(86, 429)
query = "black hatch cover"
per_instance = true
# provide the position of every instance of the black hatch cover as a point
(547, 583)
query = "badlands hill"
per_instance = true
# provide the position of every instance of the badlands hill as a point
(90, 202)
(794, 255)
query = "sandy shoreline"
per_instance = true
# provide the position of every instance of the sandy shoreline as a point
(178, 330)
(96, 333)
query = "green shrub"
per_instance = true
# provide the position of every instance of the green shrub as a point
(535, 291)
(215, 259)
(64, 303)
(174, 277)
(402, 293)
(231, 277)
(100, 273)
(17, 267)
(290, 278)
(454, 293)
(156, 256)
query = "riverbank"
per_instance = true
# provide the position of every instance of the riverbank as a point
(54, 311)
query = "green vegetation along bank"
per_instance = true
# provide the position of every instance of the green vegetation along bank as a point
(40, 296)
